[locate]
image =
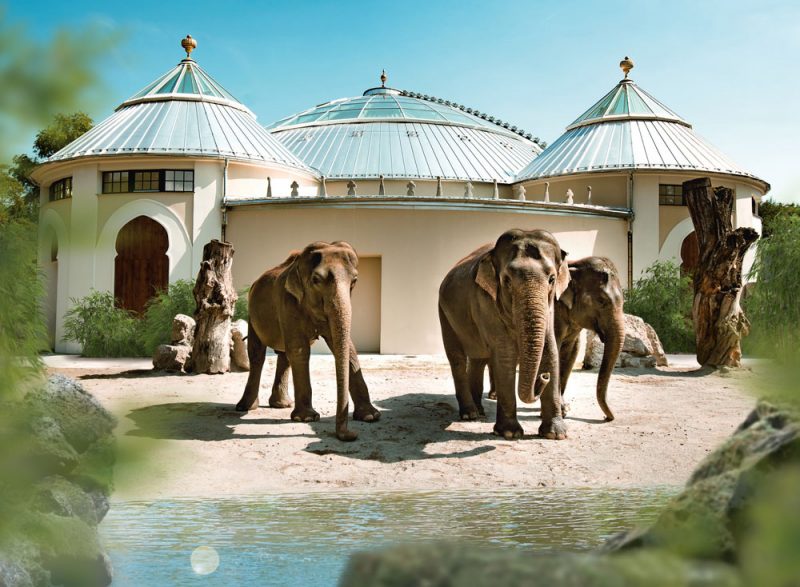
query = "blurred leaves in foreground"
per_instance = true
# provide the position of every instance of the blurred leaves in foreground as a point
(40, 80)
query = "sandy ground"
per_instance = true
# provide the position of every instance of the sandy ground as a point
(187, 440)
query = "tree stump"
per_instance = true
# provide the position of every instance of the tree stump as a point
(215, 298)
(719, 322)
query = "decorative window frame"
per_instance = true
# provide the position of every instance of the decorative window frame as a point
(61, 189)
(134, 181)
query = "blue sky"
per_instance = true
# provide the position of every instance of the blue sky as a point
(729, 67)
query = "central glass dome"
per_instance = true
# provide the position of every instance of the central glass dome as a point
(399, 134)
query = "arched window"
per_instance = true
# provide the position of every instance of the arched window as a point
(690, 254)
(141, 267)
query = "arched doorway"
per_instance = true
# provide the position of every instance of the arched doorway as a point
(141, 267)
(690, 254)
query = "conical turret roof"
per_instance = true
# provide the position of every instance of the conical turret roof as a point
(628, 129)
(183, 112)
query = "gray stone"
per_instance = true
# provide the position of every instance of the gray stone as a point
(641, 348)
(171, 357)
(50, 451)
(80, 417)
(58, 496)
(239, 357)
(182, 330)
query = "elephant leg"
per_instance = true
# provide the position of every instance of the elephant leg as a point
(552, 426)
(280, 387)
(492, 388)
(256, 352)
(298, 361)
(504, 369)
(566, 359)
(362, 406)
(475, 370)
(458, 366)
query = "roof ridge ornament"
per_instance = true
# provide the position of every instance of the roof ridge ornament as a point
(383, 78)
(626, 65)
(189, 44)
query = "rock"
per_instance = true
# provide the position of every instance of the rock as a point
(171, 357)
(13, 573)
(80, 417)
(58, 496)
(239, 356)
(182, 330)
(641, 348)
(49, 450)
(704, 520)
(453, 565)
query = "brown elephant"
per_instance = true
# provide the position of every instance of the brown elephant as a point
(593, 300)
(496, 308)
(293, 304)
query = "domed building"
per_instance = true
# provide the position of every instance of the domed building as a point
(414, 182)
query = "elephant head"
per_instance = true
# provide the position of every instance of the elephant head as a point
(594, 300)
(321, 279)
(525, 272)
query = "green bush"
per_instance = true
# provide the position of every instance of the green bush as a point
(663, 299)
(241, 312)
(773, 308)
(22, 329)
(156, 324)
(101, 328)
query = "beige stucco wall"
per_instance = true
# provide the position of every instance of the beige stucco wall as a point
(607, 189)
(417, 248)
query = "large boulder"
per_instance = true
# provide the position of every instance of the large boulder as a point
(239, 356)
(641, 349)
(171, 357)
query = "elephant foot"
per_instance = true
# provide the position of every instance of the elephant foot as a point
(470, 413)
(510, 430)
(492, 394)
(280, 401)
(367, 413)
(305, 415)
(556, 429)
(346, 435)
(246, 404)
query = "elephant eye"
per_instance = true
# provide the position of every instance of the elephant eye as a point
(316, 278)
(552, 279)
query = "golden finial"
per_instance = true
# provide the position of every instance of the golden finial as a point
(383, 78)
(626, 65)
(189, 45)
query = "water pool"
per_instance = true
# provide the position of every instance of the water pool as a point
(305, 539)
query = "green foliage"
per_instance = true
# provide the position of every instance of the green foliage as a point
(773, 308)
(663, 299)
(156, 325)
(241, 312)
(64, 129)
(22, 330)
(772, 212)
(101, 328)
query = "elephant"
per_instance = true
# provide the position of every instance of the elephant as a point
(496, 307)
(291, 305)
(593, 300)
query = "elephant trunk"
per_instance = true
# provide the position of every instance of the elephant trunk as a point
(614, 339)
(530, 309)
(339, 320)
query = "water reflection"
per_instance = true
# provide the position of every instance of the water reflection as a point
(306, 539)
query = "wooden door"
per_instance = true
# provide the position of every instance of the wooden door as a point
(690, 254)
(141, 267)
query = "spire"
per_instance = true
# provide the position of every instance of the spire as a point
(383, 78)
(626, 65)
(189, 44)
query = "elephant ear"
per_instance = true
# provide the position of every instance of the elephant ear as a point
(486, 277)
(294, 283)
(562, 279)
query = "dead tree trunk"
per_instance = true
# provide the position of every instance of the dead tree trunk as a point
(719, 323)
(215, 298)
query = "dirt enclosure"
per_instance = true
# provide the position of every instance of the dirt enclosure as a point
(190, 442)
